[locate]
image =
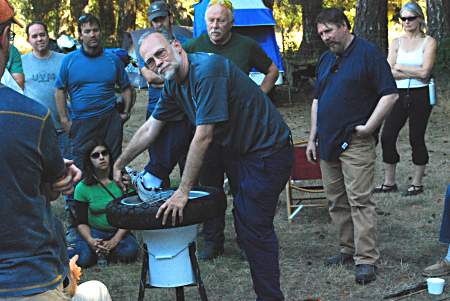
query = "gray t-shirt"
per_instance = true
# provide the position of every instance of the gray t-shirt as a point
(40, 76)
(217, 92)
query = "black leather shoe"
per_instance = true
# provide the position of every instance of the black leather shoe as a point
(340, 258)
(365, 273)
(210, 251)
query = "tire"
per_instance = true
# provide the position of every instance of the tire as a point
(129, 212)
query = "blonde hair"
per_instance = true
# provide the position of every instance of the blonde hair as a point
(414, 8)
(224, 3)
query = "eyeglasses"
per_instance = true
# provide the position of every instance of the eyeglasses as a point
(12, 35)
(160, 55)
(404, 19)
(96, 155)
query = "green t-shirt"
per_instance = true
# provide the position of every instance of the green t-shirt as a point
(14, 64)
(97, 198)
(241, 50)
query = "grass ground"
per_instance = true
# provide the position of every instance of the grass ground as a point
(408, 234)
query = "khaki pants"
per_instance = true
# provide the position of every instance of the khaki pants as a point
(348, 185)
(51, 295)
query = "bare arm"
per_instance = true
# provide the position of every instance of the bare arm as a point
(311, 147)
(85, 232)
(127, 96)
(270, 78)
(202, 138)
(61, 100)
(421, 72)
(383, 108)
(114, 241)
(20, 79)
(141, 140)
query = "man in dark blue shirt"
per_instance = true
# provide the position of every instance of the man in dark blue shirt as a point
(232, 114)
(31, 265)
(354, 91)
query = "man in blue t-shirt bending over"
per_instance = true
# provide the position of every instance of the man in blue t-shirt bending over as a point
(232, 114)
(89, 76)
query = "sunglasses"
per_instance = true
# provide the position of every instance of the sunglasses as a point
(404, 19)
(96, 155)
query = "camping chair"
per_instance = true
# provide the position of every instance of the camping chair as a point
(305, 181)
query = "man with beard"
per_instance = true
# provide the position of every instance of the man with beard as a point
(241, 50)
(246, 54)
(354, 92)
(230, 112)
(40, 67)
(88, 76)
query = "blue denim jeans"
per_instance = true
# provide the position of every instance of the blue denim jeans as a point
(127, 249)
(444, 235)
(256, 183)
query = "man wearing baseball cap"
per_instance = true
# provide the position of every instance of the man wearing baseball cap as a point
(31, 260)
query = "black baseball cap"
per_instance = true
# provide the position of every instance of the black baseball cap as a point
(158, 9)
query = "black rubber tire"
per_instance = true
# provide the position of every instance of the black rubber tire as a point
(142, 216)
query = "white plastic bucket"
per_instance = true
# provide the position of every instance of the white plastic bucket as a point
(435, 286)
(168, 256)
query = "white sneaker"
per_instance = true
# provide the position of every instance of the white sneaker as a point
(140, 179)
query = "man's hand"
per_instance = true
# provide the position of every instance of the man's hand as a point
(118, 177)
(67, 184)
(362, 131)
(311, 155)
(174, 204)
(66, 125)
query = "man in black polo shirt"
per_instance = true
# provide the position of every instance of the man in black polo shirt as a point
(354, 91)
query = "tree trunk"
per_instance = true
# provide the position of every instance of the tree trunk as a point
(127, 18)
(438, 19)
(312, 45)
(107, 19)
(76, 9)
(371, 22)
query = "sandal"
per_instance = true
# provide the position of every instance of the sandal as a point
(413, 190)
(385, 188)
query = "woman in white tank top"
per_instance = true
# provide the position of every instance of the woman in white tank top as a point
(411, 57)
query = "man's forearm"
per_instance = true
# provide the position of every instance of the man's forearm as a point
(61, 99)
(313, 129)
(151, 76)
(383, 108)
(269, 80)
(141, 140)
(127, 96)
(196, 154)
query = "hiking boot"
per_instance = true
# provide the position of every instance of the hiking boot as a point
(365, 273)
(340, 258)
(210, 251)
(441, 268)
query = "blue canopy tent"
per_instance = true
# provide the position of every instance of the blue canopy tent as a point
(253, 19)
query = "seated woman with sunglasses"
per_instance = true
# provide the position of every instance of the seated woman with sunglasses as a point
(94, 235)
(411, 57)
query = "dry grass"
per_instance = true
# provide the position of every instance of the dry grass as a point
(408, 235)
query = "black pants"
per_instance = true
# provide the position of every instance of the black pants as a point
(415, 106)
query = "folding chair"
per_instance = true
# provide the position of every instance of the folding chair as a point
(305, 181)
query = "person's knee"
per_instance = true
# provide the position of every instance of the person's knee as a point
(127, 251)
(86, 258)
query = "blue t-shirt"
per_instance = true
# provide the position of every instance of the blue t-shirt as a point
(218, 92)
(40, 76)
(90, 82)
(30, 252)
(348, 90)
